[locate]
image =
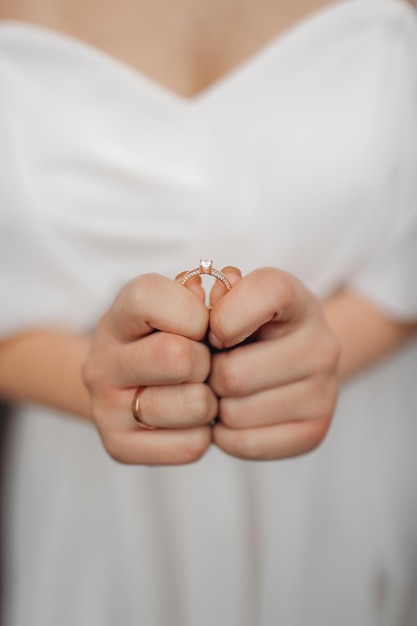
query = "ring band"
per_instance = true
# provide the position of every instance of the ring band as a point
(136, 412)
(206, 267)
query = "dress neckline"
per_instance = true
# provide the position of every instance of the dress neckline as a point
(289, 37)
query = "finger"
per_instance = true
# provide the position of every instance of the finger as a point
(233, 274)
(273, 442)
(158, 447)
(152, 302)
(178, 406)
(159, 359)
(194, 284)
(264, 295)
(262, 365)
(314, 398)
(127, 442)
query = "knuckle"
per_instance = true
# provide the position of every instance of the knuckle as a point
(89, 373)
(113, 448)
(314, 435)
(247, 446)
(286, 286)
(230, 377)
(143, 285)
(92, 373)
(329, 409)
(175, 353)
(333, 353)
(220, 325)
(139, 290)
(329, 354)
(201, 362)
(325, 398)
(230, 414)
(282, 284)
(199, 401)
(195, 448)
(125, 299)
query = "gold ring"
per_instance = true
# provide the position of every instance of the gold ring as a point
(206, 267)
(136, 412)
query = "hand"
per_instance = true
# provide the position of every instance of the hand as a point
(276, 374)
(172, 364)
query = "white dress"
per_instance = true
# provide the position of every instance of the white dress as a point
(303, 158)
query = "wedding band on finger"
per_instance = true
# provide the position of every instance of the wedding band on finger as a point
(136, 412)
(205, 268)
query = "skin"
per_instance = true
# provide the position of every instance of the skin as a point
(274, 394)
(269, 357)
(203, 40)
(278, 391)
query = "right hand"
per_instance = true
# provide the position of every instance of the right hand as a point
(172, 364)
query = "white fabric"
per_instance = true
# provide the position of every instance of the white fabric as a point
(302, 158)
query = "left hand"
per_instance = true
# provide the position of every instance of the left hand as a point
(276, 372)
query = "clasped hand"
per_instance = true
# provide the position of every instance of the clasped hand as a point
(262, 362)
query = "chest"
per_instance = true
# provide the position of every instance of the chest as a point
(107, 166)
(183, 45)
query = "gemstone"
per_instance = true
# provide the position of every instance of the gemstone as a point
(206, 265)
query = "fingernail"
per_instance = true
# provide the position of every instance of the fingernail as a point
(215, 342)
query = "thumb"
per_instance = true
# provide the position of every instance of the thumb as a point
(233, 274)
